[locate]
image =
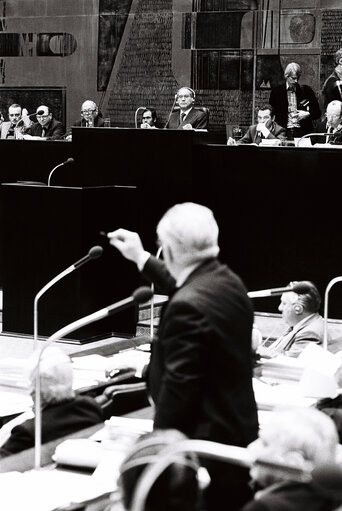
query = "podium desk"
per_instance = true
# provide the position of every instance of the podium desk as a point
(46, 229)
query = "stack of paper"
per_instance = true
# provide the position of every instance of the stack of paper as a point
(282, 369)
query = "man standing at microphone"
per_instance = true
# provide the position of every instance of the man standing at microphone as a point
(200, 373)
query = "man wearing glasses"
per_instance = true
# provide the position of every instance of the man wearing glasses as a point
(187, 117)
(18, 123)
(89, 115)
(46, 127)
(331, 125)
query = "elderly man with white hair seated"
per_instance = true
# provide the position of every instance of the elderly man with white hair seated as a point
(63, 412)
(302, 438)
(200, 373)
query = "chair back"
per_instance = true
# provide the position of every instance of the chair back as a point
(121, 399)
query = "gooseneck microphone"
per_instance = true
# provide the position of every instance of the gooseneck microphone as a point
(298, 287)
(326, 477)
(173, 106)
(94, 253)
(313, 135)
(139, 296)
(136, 115)
(69, 160)
(326, 308)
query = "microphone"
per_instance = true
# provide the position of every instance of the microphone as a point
(136, 115)
(69, 160)
(173, 106)
(313, 134)
(325, 315)
(327, 477)
(140, 295)
(298, 287)
(21, 120)
(159, 251)
(94, 253)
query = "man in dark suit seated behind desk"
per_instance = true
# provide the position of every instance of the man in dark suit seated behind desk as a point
(62, 411)
(332, 125)
(46, 127)
(187, 117)
(266, 129)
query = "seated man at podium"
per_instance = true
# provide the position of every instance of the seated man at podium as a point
(63, 412)
(148, 118)
(18, 122)
(266, 129)
(331, 125)
(187, 117)
(46, 127)
(306, 325)
(89, 115)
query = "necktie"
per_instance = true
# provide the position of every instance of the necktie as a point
(183, 115)
(43, 132)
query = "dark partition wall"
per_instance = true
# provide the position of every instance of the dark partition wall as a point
(46, 229)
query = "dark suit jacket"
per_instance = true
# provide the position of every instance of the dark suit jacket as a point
(54, 131)
(98, 122)
(330, 90)
(252, 136)
(334, 138)
(58, 420)
(278, 99)
(200, 374)
(196, 118)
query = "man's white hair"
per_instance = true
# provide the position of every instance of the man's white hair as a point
(56, 378)
(191, 230)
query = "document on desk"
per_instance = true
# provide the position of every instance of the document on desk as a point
(48, 490)
(269, 396)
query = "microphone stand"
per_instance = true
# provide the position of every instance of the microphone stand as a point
(159, 251)
(325, 324)
(213, 450)
(69, 160)
(139, 296)
(136, 115)
(173, 106)
(311, 135)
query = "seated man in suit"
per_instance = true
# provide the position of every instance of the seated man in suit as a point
(18, 122)
(187, 117)
(266, 129)
(90, 115)
(297, 438)
(148, 118)
(63, 412)
(46, 127)
(306, 325)
(332, 124)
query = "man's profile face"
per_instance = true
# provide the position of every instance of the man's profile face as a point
(147, 118)
(14, 114)
(333, 115)
(264, 116)
(286, 308)
(184, 98)
(45, 117)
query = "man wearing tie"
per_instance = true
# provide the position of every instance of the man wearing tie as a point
(46, 127)
(187, 117)
(265, 129)
(306, 325)
(332, 125)
(295, 106)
